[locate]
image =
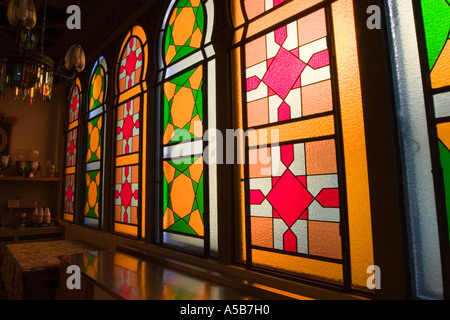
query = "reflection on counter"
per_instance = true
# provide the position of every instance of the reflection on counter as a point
(126, 277)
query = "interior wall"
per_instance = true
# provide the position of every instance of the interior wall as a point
(36, 127)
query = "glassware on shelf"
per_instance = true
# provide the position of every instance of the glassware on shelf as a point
(5, 163)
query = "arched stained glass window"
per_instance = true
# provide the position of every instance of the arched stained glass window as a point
(304, 193)
(130, 133)
(94, 151)
(71, 149)
(188, 216)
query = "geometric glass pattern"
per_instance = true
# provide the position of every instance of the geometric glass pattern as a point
(183, 107)
(74, 104)
(130, 64)
(288, 72)
(71, 148)
(69, 194)
(295, 190)
(436, 22)
(98, 88)
(92, 195)
(126, 194)
(184, 32)
(186, 58)
(294, 198)
(94, 140)
(128, 127)
(94, 130)
(444, 153)
(436, 18)
(183, 204)
(71, 152)
(130, 135)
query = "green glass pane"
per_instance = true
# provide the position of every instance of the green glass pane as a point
(436, 18)
(94, 140)
(183, 196)
(97, 89)
(445, 163)
(184, 33)
(92, 194)
(184, 100)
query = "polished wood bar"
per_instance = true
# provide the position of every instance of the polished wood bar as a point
(121, 276)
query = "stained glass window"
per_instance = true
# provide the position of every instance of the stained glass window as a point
(130, 135)
(71, 148)
(188, 216)
(436, 21)
(295, 196)
(95, 123)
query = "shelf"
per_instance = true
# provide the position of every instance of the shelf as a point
(35, 179)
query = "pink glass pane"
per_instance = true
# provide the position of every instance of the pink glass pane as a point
(71, 148)
(130, 68)
(127, 195)
(74, 104)
(290, 191)
(286, 76)
(128, 128)
(69, 194)
(254, 8)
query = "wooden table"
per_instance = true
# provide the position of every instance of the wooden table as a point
(28, 268)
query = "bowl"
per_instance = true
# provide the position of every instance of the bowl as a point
(27, 168)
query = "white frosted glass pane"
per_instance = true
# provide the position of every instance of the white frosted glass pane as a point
(442, 105)
(93, 166)
(94, 113)
(188, 243)
(415, 151)
(214, 241)
(184, 64)
(210, 10)
(183, 149)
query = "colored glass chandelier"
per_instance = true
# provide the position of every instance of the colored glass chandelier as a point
(25, 68)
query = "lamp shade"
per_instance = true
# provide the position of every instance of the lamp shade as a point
(22, 13)
(75, 59)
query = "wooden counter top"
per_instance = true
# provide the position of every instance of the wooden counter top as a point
(127, 277)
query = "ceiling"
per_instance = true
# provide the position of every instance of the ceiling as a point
(98, 19)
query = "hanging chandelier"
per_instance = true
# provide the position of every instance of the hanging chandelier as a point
(26, 68)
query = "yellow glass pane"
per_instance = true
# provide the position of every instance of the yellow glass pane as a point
(236, 13)
(68, 217)
(311, 267)
(126, 229)
(284, 12)
(70, 170)
(144, 162)
(440, 75)
(358, 199)
(239, 173)
(129, 94)
(444, 133)
(73, 125)
(127, 160)
(306, 129)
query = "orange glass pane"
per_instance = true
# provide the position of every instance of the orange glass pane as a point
(358, 199)
(305, 129)
(284, 12)
(314, 268)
